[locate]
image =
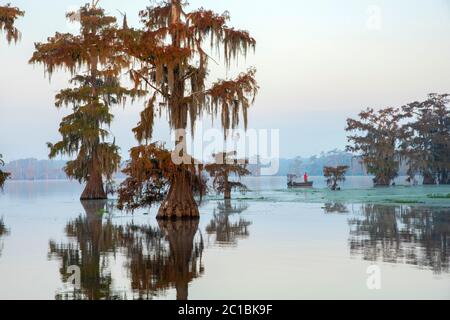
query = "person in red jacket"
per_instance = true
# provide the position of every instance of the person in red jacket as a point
(305, 177)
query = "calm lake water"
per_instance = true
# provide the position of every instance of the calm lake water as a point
(271, 243)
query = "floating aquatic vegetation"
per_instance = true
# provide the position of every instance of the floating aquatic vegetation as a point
(403, 201)
(439, 196)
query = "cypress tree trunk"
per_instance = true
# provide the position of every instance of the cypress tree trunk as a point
(334, 186)
(382, 181)
(428, 179)
(180, 202)
(227, 194)
(94, 189)
(227, 188)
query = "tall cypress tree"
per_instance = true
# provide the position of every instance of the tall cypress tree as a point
(173, 65)
(95, 60)
(426, 145)
(376, 136)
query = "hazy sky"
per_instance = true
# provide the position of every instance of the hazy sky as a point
(318, 63)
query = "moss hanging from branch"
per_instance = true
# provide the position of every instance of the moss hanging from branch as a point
(376, 139)
(225, 165)
(169, 52)
(171, 63)
(95, 59)
(8, 17)
(151, 172)
(426, 144)
(334, 175)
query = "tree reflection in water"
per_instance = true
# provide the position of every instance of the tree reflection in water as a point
(164, 258)
(414, 235)
(93, 242)
(335, 207)
(3, 232)
(227, 232)
(158, 258)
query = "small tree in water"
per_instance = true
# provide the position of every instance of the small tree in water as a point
(173, 66)
(225, 165)
(334, 175)
(3, 175)
(376, 140)
(84, 132)
(8, 16)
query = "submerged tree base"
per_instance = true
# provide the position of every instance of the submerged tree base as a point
(382, 185)
(94, 190)
(429, 180)
(180, 204)
(178, 210)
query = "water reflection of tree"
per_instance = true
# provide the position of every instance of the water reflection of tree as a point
(335, 207)
(163, 258)
(227, 231)
(3, 232)
(158, 258)
(402, 234)
(93, 241)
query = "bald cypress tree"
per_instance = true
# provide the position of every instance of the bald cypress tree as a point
(8, 16)
(375, 136)
(426, 145)
(224, 166)
(95, 60)
(173, 65)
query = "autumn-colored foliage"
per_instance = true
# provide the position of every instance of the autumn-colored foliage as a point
(95, 60)
(224, 165)
(426, 145)
(334, 175)
(172, 65)
(376, 137)
(8, 16)
(151, 172)
(418, 135)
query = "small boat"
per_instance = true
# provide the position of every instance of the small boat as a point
(308, 184)
(293, 184)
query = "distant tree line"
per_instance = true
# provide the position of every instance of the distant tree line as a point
(33, 169)
(417, 134)
(314, 165)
